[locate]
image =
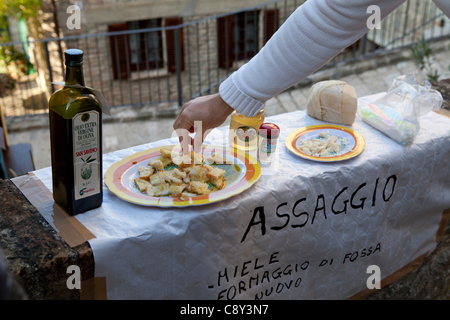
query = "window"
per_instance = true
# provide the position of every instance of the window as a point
(271, 23)
(238, 35)
(146, 48)
(143, 51)
(245, 33)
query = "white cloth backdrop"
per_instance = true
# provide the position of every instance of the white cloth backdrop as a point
(283, 238)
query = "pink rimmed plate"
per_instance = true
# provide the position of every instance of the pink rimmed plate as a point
(239, 176)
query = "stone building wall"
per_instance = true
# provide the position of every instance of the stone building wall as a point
(200, 47)
(200, 44)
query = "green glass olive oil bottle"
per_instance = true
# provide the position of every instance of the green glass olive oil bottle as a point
(76, 141)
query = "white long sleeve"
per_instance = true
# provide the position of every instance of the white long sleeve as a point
(444, 5)
(316, 32)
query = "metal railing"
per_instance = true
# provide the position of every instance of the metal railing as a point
(168, 65)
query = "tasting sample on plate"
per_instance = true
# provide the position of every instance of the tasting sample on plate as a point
(241, 172)
(325, 143)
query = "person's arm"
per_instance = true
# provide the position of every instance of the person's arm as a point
(444, 5)
(316, 32)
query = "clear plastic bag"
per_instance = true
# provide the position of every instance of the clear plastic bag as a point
(397, 112)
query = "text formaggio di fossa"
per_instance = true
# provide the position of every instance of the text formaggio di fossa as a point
(268, 276)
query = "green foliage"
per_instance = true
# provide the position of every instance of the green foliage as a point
(422, 57)
(19, 8)
(13, 62)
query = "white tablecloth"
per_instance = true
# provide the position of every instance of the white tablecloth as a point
(281, 239)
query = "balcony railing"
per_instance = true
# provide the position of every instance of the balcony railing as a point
(170, 61)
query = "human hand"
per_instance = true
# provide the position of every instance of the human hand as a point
(200, 115)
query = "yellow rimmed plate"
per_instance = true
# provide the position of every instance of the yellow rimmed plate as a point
(239, 176)
(354, 147)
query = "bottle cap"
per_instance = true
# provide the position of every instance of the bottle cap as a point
(74, 57)
(269, 130)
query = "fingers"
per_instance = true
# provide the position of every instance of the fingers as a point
(199, 116)
(183, 127)
(184, 143)
(184, 138)
(198, 140)
(180, 117)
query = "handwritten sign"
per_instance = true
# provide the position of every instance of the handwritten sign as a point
(320, 209)
(270, 273)
(273, 277)
(310, 231)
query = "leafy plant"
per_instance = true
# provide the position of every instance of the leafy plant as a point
(422, 57)
(19, 8)
(12, 61)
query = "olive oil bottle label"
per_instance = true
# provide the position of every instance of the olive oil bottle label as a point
(86, 154)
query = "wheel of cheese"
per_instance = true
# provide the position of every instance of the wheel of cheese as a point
(333, 101)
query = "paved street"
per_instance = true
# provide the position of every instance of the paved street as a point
(120, 135)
